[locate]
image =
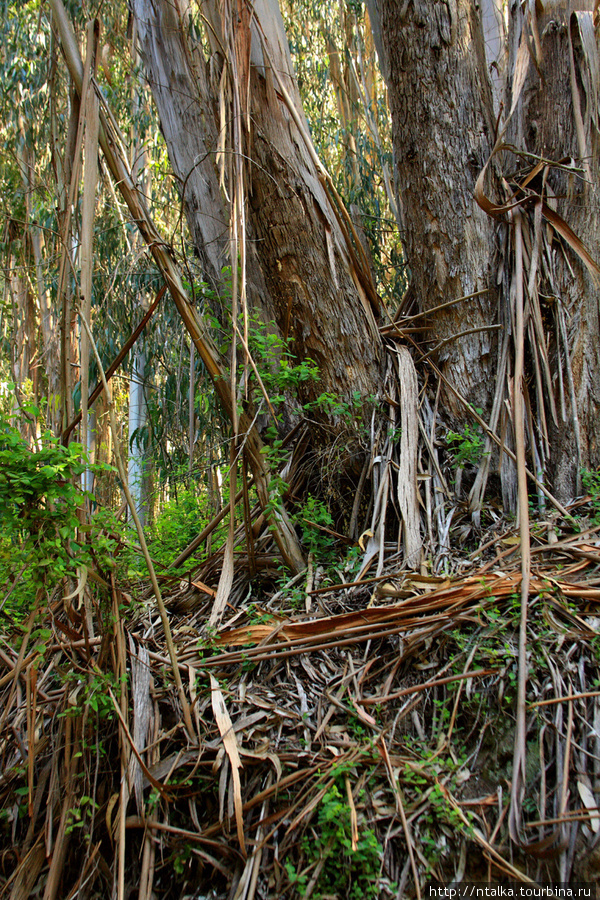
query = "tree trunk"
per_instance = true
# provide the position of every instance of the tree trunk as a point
(557, 122)
(135, 445)
(303, 270)
(444, 133)
(442, 124)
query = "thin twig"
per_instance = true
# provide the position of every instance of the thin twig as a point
(142, 539)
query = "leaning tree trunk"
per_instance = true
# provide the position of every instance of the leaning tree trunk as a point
(303, 269)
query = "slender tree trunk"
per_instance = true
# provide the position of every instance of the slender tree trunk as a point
(137, 420)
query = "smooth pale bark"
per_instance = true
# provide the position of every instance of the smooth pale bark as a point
(300, 270)
(137, 420)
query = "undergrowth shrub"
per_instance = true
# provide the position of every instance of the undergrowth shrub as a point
(346, 872)
(42, 536)
(590, 479)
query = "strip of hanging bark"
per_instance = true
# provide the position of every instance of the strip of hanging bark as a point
(162, 790)
(406, 477)
(519, 773)
(361, 269)
(116, 362)
(142, 715)
(584, 153)
(500, 211)
(227, 571)
(116, 157)
(225, 726)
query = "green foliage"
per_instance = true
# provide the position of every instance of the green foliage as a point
(91, 694)
(590, 480)
(278, 367)
(181, 519)
(353, 874)
(36, 492)
(313, 517)
(40, 499)
(466, 446)
(334, 406)
(79, 816)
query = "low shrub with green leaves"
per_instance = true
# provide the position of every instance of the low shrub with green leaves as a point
(314, 519)
(590, 480)
(42, 538)
(466, 446)
(345, 872)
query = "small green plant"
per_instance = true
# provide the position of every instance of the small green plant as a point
(349, 873)
(79, 816)
(181, 859)
(332, 405)
(92, 694)
(467, 446)
(590, 481)
(316, 521)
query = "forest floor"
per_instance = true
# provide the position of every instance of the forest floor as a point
(331, 740)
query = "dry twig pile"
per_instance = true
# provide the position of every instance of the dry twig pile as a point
(377, 728)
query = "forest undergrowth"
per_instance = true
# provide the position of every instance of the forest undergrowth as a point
(339, 734)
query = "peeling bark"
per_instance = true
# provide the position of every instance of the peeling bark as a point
(558, 120)
(442, 116)
(444, 131)
(300, 270)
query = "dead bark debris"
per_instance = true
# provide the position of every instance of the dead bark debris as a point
(377, 730)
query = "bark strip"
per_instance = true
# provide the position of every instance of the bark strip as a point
(112, 146)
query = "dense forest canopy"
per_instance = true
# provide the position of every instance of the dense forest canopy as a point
(294, 295)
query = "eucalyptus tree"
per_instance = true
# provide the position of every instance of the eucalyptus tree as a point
(495, 123)
(260, 204)
(45, 246)
(235, 131)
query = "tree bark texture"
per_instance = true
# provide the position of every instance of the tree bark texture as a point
(442, 122)
(557, 121)
(300, 270)
(444, 132)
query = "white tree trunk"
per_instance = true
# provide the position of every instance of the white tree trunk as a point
(137, 420)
